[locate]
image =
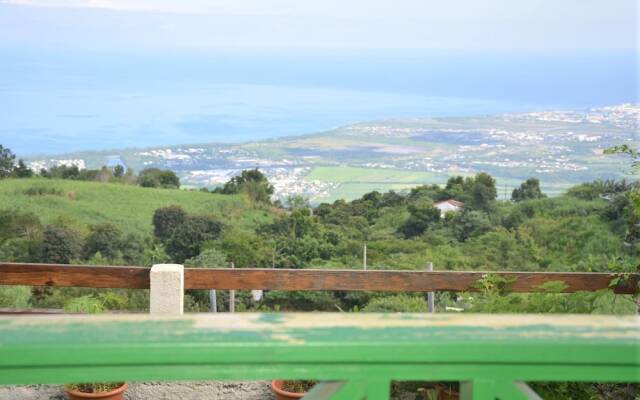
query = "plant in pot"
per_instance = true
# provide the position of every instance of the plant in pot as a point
(92, 390)
(291, 389)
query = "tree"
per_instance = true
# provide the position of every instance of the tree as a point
(633, 232)
(59, 245)
(148, 181)
(188, 237)
(245, 248)
(22, 171)
(483, 192)
(529, 189)
(211, 258)
(253, 183)
(457, 188)
(168, 179)
(468, 224)
(106, 239)
(64, 172)
(295, 202)
(166, 219)
(118, 171)
(295, 225)
(6, 162)
(17, 224)
(422, 216)
(154, 177)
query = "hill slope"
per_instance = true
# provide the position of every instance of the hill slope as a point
(130, 207)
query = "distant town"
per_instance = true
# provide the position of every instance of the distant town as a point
(559, 147)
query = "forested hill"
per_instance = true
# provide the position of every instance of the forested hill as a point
(591, 228)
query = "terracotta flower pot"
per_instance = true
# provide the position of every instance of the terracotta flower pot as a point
(445, 393)
(282, 394)
(115, 394)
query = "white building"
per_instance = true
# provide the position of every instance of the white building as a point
(448, 206)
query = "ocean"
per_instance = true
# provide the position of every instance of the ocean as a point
(60, 102)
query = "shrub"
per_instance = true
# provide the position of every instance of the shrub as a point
(187, 238)
(154, 177)
(166, 219)
(396, 303)
(530, 189)
(422, 216)
(85, 304)
(6, 162)
(42, 191)
(59, 245)
(104, 238)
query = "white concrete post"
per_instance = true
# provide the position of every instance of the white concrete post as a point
(167, 289)
(364, 256)
(430, 300)
(232, 296)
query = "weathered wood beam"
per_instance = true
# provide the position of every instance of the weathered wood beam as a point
(306, 279)
(74, 275)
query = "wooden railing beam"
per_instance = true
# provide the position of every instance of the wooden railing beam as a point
(306, 279)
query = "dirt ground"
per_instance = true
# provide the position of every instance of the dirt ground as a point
(155, 391)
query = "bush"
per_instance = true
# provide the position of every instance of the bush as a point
(154, 177)
(15, 296)
(396, 303)
(6, 162)
(42, 191)
(253, 183)
(187, 238)
(422, 216)
(166, 219)
(468, 224)
(59, 245)
(530, 189)
(106, 239)
(84, 304)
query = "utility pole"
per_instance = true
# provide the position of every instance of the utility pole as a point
(364, 256)
(430, 298)
(232, 296)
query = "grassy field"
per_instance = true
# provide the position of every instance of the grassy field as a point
(346, 174)
(354, 182)
(130, 207)
(350, 191)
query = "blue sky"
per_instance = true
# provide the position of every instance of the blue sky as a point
(468, 25)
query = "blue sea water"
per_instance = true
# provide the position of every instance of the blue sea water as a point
(54, 103)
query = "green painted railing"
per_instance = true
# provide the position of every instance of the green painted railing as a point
(356, 354)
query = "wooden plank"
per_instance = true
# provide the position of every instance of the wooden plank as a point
(372, 348)
(301, 279)
(74, 275)
(391, 281)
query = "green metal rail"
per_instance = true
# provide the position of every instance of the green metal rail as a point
(358, 355)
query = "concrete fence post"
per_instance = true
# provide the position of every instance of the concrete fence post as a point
(167, 289)
(232, 296)
(431, 304)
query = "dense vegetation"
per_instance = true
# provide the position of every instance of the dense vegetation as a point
(593, 227)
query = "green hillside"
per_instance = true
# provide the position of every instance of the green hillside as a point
(129, 207)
